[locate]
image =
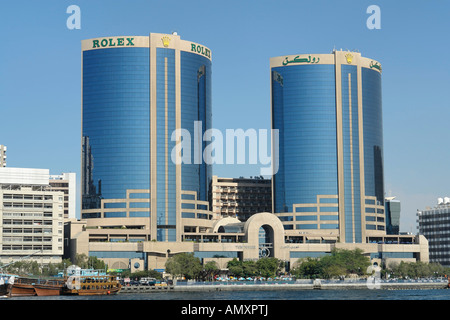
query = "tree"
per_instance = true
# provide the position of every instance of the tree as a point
(141, 274)
(85, 262)
(184, 264)
(249, 268)
(333, 271)
(266, 267)
(243, 269)
(417, 269)
(339, 262)
(269, 267)
(210, 269)
(309, 268)
(235, 268)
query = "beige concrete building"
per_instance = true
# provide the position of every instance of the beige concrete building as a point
(66, 182)
(223, 239)
(31, 217)
(240, 197)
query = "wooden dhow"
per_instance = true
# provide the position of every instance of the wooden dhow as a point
(92, 285)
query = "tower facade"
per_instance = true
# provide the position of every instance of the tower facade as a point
(136, 92)
(328, 110)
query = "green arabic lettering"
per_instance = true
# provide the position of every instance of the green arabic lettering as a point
(297, 59)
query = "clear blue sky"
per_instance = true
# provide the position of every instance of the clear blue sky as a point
(40, 74)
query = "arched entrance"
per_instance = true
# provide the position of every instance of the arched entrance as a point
(264, 237)
(265, 241)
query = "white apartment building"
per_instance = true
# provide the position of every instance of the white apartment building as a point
(31, 217)
(66, 182)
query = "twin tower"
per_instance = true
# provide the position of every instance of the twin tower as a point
(137, 90)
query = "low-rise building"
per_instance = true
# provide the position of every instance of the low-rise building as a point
(241, 197)
(31, 217)
(220, 240)
(66, 182)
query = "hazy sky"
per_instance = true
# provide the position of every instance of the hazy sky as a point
(40, 74)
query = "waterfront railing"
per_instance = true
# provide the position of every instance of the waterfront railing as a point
(305, 281)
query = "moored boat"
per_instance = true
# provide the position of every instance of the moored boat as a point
(49, 287)
(92, 285)
(5, 286)
(23, 287)
(5, 290)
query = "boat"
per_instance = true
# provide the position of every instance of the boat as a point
(49, 287)
(5, 290)
(92, 285)
(5, 287)
(23, 287)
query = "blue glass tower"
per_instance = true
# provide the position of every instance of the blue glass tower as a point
(327, 108)
(136, 91)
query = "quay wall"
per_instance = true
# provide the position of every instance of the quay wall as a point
(293, 286)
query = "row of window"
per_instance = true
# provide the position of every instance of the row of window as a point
(193, 215)
(28, 239)
(29, 230)
(28, 247)
(28, 197)
(29, 205)
(314, 226)
(29, 222)
(45, 214)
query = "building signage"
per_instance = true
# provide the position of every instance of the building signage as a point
(112, 42)
(297, 59)
(200, 49)
(375, 65)
(166, 41)
(349, 58)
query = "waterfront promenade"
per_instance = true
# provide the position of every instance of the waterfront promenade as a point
(294, 285)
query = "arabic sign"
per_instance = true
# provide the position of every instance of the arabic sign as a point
(297, 59)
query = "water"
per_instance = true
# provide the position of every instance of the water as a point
(278, 295)
(230, 305)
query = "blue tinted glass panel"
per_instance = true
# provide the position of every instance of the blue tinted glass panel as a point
(329, 209)
(116, 121)
(196, 111)
(306, 218)
(306, 226)
(329, 226)
(350, 133)
(304, 112)
(305, 209)
(373, 134)
(329, 217)
(165, 125)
